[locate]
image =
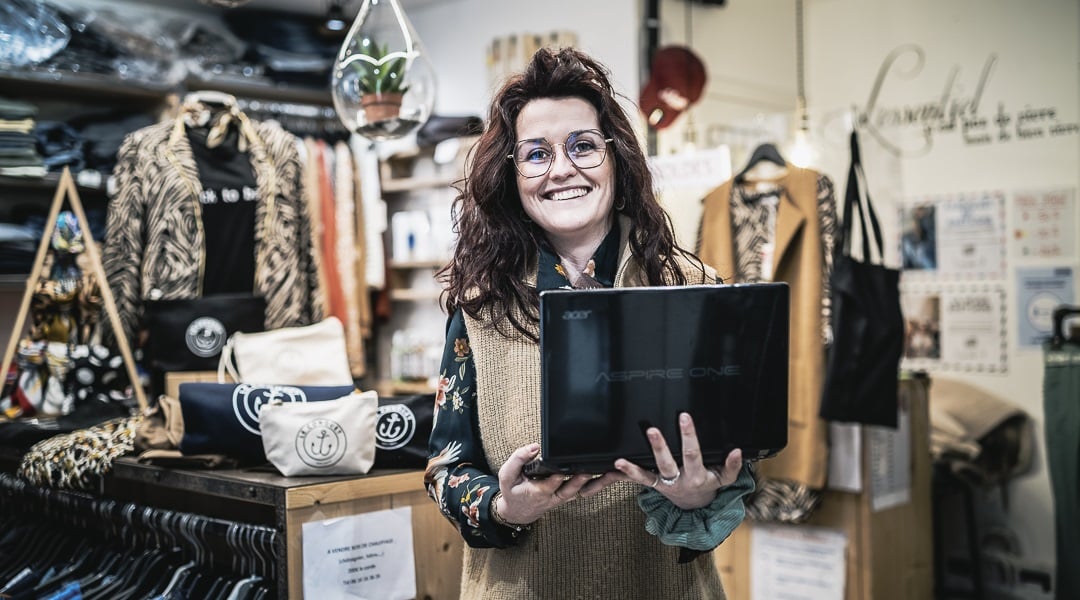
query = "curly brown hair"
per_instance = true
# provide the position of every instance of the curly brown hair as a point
(497, 244)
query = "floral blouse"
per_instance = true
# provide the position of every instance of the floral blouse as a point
(468, 481)
(461, 482)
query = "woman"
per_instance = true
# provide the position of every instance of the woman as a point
(559, 195)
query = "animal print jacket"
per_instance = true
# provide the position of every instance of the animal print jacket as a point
(155, 247)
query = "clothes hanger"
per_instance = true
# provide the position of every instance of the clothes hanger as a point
(211, 98)
(766, 152)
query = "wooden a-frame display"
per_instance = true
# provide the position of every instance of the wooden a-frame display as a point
(67, 189)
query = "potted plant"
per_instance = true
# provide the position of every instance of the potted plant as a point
(381, 79)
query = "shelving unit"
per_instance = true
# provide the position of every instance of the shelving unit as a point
(413, 181)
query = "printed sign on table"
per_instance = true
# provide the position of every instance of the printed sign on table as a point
(369, 555)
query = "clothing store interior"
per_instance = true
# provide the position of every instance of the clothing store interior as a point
(227, 229)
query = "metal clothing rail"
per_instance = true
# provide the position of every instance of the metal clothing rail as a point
(240, 547)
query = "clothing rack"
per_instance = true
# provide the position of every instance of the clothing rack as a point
(228, 551)
(299, 119)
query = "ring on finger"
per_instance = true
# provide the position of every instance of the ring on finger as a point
(669, 480)
(655, 482)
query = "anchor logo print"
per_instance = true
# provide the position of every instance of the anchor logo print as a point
(321, 443)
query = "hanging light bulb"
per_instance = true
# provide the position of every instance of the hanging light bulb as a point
(383, 85)
(801, 152)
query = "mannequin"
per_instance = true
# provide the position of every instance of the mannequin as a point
(157, 245)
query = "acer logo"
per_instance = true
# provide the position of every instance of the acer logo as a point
(670, 374)
(576, 315)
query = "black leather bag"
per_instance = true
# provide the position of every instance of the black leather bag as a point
(862, 367)
(188, 334)
(223, 418)
(402, 429)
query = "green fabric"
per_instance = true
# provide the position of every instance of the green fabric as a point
(702, 528)
(1061, 403)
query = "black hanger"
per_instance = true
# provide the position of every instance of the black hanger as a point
(1060, 314)
(765, 151)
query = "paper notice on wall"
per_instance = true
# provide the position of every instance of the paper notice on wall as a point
(971, 236)
(1040, 290)
(955, 326)
(973, 334)
(1044, 223)
(845, 454)
(365, 556)
(796, 562)
(684, 179)
(890, 463)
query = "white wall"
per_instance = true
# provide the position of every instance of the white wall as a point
(750, 47)
(457, 34)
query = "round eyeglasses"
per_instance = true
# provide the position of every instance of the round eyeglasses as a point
(586, 149)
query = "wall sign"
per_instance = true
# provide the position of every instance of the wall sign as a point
(909, 129)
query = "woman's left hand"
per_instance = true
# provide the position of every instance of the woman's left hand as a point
(695, 485)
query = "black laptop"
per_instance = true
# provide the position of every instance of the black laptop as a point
(616, 361)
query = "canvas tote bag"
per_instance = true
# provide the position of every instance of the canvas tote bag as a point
(862, 366)
(335, 437)
(309, 355)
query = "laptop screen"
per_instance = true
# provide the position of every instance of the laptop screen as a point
(616, 361)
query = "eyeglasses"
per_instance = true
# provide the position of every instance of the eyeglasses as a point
(586, 149)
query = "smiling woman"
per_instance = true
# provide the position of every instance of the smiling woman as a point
(559, 195)
(571, 203)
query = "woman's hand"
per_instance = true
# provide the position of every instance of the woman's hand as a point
(524, 500)
(694, 486)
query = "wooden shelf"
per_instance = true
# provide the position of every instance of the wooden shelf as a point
(81, 86)
(417, 264)
(13, 281)
(419, 183)
(264, 91)
(414, 295)
(50, 181)
(91, 85)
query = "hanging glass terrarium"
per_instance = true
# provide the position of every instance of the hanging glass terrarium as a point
(383, 85)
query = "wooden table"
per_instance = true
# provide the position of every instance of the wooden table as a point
(265, 497)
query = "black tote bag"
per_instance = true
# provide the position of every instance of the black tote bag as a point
(188, 334)
(861, 370)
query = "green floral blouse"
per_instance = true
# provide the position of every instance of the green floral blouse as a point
(458, 477)
(467, 481)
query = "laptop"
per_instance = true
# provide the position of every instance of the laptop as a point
(616, 361)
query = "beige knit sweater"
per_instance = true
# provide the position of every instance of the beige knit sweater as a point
(591, 548)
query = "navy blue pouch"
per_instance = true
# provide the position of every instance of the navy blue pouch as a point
(223, 418)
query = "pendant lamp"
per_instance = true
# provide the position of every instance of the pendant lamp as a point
(382, 84)
(801, 152)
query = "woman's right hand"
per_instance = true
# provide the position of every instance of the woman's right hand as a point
(524, 500)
